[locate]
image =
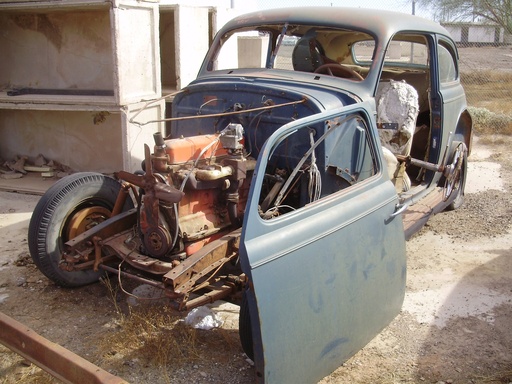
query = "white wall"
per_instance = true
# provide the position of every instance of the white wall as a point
(69, 137)
(56, 50)
(481, 34)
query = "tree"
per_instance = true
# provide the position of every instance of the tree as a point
(493, 11)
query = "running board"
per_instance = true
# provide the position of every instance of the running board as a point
(417, 214)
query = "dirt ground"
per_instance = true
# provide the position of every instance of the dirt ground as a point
(455, 325)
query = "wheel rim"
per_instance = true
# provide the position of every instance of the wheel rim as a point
(85, 219)
(453, 180)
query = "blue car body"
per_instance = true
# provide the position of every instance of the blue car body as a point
(328, 274)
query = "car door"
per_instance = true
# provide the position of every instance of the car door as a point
(327, 276)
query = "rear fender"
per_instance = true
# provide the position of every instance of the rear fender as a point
(464, 130)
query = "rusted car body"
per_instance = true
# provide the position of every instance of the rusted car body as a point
(312, 144)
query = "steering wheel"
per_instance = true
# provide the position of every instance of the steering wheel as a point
(338, 70)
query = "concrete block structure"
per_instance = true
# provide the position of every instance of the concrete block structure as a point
(75, 75)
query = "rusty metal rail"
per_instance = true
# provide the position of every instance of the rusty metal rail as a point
(53, 358)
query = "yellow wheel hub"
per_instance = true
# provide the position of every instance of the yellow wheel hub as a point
(85, 219)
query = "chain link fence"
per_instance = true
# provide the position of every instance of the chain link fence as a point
(486, 74)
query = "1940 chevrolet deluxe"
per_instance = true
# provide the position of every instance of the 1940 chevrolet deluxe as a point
(312, 144)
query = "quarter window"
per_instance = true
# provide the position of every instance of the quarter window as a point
(447, 66)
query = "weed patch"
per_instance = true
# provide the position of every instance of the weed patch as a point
(490, 123)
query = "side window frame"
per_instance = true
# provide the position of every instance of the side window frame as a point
(346, 154)
(404, 37)
(447, 62)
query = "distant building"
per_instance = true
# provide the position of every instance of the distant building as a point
(465, 33)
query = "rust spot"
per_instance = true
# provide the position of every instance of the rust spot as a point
(100, 117)
(210, 100)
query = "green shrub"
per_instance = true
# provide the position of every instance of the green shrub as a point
(488, 122)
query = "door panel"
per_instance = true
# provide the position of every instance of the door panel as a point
(329, 275)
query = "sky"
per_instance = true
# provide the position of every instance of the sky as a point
(392, 5)
(404, 6)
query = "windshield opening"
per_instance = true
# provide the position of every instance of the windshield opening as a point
(303, 48)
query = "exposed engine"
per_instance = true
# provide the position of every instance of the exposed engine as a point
(177, 223)
(195, 188)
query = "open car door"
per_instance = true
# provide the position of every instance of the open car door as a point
(327, 269)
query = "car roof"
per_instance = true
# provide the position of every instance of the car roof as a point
(377, 22)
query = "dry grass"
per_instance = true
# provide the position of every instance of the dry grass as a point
(501, 377)
(14, 369)
(152, 336)
(157, 336)
(489, 89)
(148, 335)
(489, 95)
